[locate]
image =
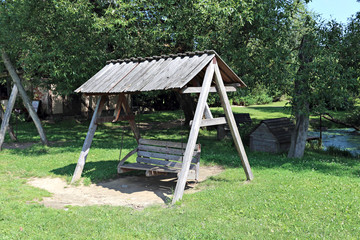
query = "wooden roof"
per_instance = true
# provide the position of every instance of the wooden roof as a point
(155, 73)
(281, 128)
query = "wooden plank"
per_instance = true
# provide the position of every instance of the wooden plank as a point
(212, 89)
(88, 140)
(211, 122)
(170, 164)
(174, 151)
(141, 166)
(136, 73)
(24, 97)
(232, 124)
(148, 76)
(9, 128)
(163, 76)
(132, 152)
(6, 119)
(198, 66)
(93, 79)
(160, 155)
(165, 143)
(180, 186)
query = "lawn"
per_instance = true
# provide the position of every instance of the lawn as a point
(315, 197)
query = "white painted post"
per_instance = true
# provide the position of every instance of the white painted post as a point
(232, 124)
(6, 118)
(180, 186)
(88, 140)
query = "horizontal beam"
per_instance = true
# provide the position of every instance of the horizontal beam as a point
(212, 89)
(211, 122)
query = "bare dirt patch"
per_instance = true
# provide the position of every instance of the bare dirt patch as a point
(133, 191)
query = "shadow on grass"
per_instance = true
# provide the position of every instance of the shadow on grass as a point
(95, 171)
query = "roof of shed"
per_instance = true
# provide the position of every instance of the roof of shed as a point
(281, 128)
(164, 72)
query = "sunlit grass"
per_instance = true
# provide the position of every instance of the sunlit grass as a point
(316, 197)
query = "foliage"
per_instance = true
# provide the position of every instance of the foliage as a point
(53, 42)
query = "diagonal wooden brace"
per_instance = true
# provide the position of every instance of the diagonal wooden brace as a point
(232, 124)
(88, 140)
(194, 132)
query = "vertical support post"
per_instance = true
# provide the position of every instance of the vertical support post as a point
(232, 124)
(128, 111)
(25, 98)
(9, 128)
(189, 151)
(88, 140)
(6, 118)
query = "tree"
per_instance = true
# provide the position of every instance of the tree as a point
(322, 82)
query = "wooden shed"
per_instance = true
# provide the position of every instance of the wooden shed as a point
(272, 135)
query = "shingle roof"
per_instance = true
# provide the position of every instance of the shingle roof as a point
(281, 128)
(164, 72)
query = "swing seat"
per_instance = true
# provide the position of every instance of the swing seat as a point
(161, 157)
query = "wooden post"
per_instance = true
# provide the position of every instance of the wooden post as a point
(9, 128)
(24, 96)
(232, 124)
(88, 140)
(6, 119)
(128, 112)
(180, 186)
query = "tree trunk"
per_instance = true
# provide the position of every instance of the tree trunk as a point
(300, 102)
(187, 105)
(299, 136)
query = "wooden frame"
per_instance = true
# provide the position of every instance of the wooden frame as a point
(212, 75)
(18, 88)
(96, 119)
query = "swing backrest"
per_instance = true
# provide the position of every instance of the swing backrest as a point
(165, 153)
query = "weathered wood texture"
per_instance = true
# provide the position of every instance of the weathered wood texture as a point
(24, 97)
(155, 73)
(9, 128)
(180, 186)
(232, 124)
(212, 89)
(88, 140)
(272, 135)
(161, 156)
(6, 118)
(211, 122)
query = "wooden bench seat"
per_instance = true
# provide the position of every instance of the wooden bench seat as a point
(157, 157)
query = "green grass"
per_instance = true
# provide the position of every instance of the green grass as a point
(316, 197)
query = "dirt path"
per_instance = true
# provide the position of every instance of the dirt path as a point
(133, 191)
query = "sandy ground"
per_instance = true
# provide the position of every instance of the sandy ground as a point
(133, 191)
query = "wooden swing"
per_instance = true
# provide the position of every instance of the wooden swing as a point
(157, 157)
(193, 72)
